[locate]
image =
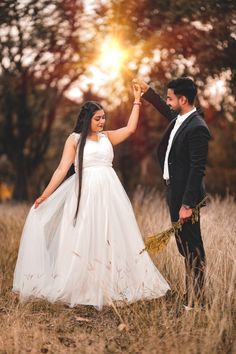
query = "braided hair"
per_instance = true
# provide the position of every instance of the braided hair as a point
(82, 126)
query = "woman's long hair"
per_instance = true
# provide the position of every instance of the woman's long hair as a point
(82, 127)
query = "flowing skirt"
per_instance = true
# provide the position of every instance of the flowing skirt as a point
(93, 262)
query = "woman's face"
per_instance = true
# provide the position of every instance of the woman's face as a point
(97, 121)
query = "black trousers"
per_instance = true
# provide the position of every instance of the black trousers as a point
(190, 246)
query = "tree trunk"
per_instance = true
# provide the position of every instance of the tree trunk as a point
(21, 182)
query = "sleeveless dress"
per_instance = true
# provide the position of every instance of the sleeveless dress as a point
(95, 261)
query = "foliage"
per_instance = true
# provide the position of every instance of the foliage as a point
(42, 51)
(46, 46)
(195, 38)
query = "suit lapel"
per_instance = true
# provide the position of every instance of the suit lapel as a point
(161, 149)
(168, 130)
(182, 127)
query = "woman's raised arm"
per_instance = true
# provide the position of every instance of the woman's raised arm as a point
(119, 135)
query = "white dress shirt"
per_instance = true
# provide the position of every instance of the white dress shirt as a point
(179, 120)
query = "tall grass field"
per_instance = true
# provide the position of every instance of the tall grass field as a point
(156, 326)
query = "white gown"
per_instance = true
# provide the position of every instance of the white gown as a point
(97, 260)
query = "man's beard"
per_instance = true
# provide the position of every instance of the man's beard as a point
(176, 110)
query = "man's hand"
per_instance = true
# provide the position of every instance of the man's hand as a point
(144, 86)
(184, 214)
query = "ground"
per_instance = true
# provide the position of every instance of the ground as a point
(156, 326)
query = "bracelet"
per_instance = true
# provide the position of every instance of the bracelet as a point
(137, 103)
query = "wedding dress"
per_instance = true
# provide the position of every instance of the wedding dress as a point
(97, 260)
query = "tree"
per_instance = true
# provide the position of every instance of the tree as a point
(167, 39)
(44, 48)
(181, 37)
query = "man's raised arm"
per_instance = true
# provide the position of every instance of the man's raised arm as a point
(156, 100)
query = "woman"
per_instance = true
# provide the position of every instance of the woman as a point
(81, 242)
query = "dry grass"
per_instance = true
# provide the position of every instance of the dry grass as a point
(158, 326)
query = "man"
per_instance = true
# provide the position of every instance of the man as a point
(182, 154)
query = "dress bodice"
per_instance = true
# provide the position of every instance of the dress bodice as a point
(96, 153)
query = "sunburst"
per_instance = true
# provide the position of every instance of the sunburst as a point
(112, 57)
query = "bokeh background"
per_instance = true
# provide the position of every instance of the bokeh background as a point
(56, 54)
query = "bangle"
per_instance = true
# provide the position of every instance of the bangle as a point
(137, 103)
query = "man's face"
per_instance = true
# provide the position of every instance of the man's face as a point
(173, 101)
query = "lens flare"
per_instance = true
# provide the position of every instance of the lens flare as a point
(108, 68)
(112, 57)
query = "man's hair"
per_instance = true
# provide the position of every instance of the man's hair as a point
(184, 86)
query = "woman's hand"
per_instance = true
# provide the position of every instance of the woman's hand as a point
(137, 92)
(39, 201)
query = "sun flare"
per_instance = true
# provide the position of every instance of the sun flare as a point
(106, 68)
(112, 57)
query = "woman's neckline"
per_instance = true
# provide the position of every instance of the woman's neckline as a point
(98, 138)
(94, 141)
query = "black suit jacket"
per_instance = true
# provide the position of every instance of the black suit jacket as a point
(188, 155)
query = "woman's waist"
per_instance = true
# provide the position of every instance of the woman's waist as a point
(91, 165)
(95, 165)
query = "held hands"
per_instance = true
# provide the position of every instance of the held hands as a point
(137, 92)
(143, 85)
(185, 214)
